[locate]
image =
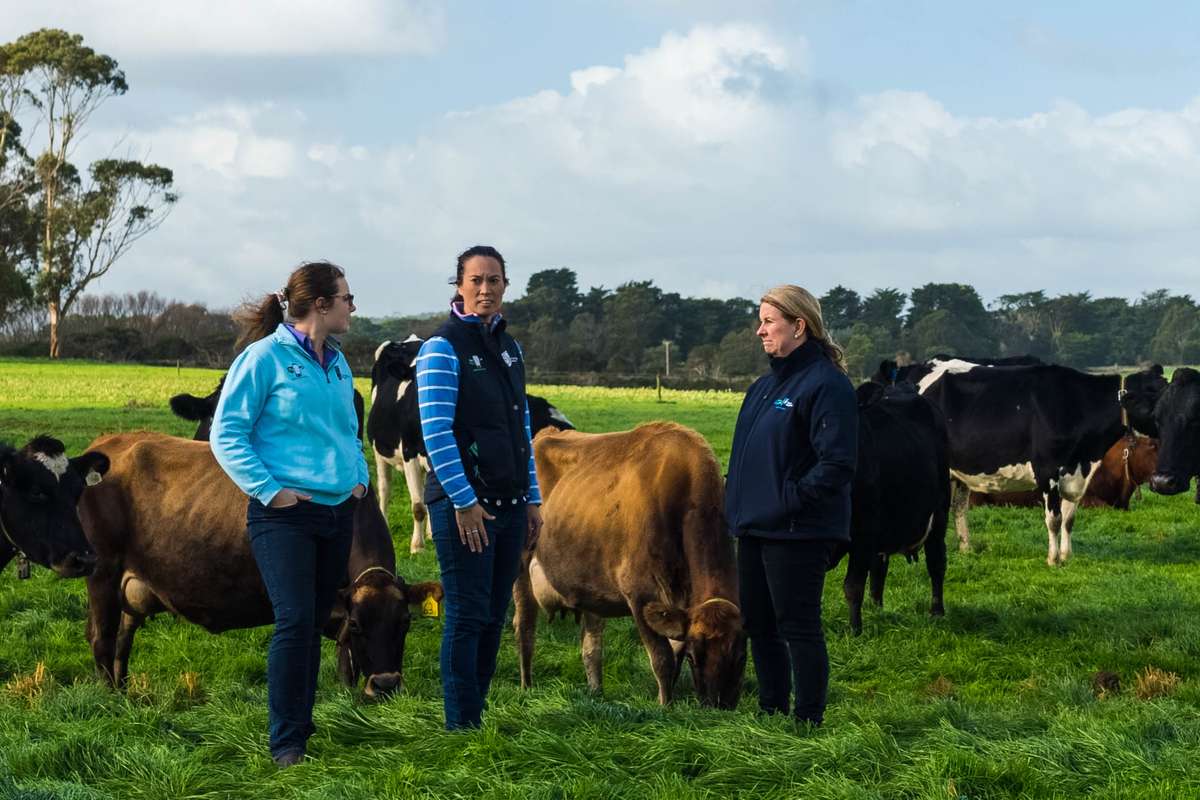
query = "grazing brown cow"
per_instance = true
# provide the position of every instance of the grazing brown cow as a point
(1127, 465)
(634, 526)
(169, 530)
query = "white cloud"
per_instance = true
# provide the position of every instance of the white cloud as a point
(703, 163)
(243, 27)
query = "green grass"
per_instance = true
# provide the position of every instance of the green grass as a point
(995, 700)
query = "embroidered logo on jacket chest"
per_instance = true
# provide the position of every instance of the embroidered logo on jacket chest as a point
(783, 404)
(295, 370)
(507, 359)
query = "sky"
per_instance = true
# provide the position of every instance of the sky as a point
(716, 148)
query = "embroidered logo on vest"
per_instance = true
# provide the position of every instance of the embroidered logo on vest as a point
(507, 359)
(477, 363)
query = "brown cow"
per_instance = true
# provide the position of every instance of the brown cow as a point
(169, 529)
(634, 526)
(1126, 466)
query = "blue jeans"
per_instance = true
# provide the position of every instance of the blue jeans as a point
(478, 589)
(301, 553)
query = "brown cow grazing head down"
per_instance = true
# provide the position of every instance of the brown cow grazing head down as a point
(714, 643)
(370, 624)
(39, 493)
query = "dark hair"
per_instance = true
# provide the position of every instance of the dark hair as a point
(466, 255)
(307, 283)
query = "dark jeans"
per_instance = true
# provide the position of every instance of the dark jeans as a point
(301, 553)
(780, 583)
(478, 589)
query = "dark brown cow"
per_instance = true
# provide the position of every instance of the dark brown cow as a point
(1127, 465)
(634, 526)
(169, 529)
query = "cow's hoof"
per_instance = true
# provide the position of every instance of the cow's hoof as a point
(937, 611)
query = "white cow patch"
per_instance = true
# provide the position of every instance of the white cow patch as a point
(379, 350)
(400, 391)
(1011, 478)
(1073, 485)
(940, 368)
(555, 414)
(412, 337)
(58, 465)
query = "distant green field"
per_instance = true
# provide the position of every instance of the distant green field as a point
(995, 700)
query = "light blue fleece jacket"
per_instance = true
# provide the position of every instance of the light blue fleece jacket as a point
(284, 422)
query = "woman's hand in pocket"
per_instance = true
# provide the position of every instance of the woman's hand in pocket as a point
(286, 498)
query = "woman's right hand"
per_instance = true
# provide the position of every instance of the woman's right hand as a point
(471, 531)
(286, 498)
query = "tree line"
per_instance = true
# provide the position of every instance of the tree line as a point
(637, 332)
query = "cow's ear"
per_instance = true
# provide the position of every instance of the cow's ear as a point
(665, 620)
(91, 467)
(416, 593)
(1156, 369)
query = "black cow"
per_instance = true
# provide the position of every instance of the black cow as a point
(394, 428)
(1177, 415)
(201, 410)
(1040, 427)
(889, 373)
(39, 493)
(901, 495)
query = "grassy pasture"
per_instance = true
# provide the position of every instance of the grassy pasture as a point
(995, 700)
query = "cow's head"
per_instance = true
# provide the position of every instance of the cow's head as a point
(711, 638)
(1139, 396)
(39, 498)
(544, 415)
(396, 360)
(1177, 415)
(372, 617)
(198, 409)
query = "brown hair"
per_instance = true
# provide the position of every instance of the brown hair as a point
(308, 283)
(797, 303)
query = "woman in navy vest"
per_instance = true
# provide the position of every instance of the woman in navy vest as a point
(787, 498)
(482, 494)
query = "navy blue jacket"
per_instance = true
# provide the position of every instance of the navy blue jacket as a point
(794, 451)
(490, 424)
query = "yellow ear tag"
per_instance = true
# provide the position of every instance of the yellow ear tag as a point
(429, 607)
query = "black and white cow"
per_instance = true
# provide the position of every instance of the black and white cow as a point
(1177, 416)
(889, 373)
(39, 497)
(1039, 427)
(394, 428)
(901, 496)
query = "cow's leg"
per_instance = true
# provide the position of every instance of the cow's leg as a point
(854, 587)
(414, 476)
(129, 626)
(662, 658)
(138, 602)
(1068, 522)
(383, 482)
(591, 641)
(960, 497)
(104, 618)
(935, 561)
(1053, 507)
(525, 610)
(879, 570)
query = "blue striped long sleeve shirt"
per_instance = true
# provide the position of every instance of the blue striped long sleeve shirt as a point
(437, 398)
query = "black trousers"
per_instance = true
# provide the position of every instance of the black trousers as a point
(780, 583)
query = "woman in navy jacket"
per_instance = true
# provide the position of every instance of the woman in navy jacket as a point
(787, 498)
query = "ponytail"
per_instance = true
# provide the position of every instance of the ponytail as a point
(258, 320)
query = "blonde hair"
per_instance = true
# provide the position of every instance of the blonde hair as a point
(797, 303)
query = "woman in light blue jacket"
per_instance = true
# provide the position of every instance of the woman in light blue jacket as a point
(286, 432)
